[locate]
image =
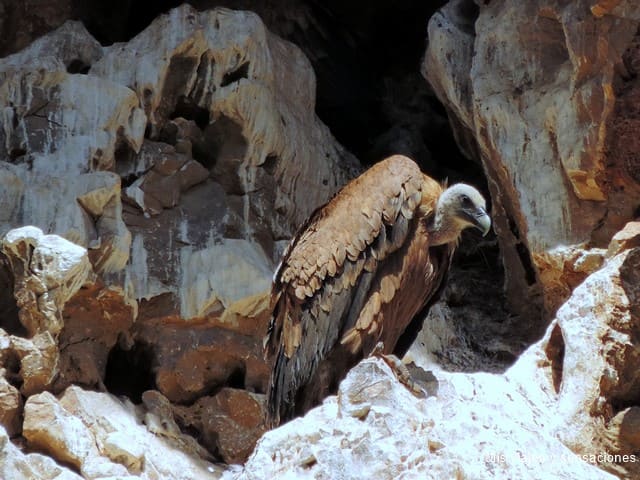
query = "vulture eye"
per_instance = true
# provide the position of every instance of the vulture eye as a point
(466, 201)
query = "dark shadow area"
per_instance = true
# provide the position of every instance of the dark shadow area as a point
(129, 372)
(9, 320)
(555, 353)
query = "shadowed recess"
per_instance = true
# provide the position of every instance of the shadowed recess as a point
(129, 372)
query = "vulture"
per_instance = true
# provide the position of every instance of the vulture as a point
(363, 269)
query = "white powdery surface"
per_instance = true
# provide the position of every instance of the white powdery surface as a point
(477, 426)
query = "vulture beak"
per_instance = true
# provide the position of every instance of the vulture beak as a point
(481, 220)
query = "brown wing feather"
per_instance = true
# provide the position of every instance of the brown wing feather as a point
(347, 260)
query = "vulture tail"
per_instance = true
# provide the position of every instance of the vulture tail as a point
(281, 393)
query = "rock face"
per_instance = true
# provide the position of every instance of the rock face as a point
(161, 178)
(101, 436)
(542, 91)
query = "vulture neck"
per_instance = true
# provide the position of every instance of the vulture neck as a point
(443, 229)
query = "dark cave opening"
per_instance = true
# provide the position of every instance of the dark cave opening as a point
(187, 109)
(129, 372)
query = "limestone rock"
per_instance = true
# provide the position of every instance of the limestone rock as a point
(48, 270)
(229, 422)
(69, 47)
(60, 122)
(214, 357)
(214, 62)
(534, 92)
(30, 363)
(10, 407)
(56, 125)
(164, 174)
(119, 448)
(65, 309)
(14, 463)
(50, 428)
(222, 274)
(160, 418)
(589, 364)
(39, 362)
(95, 319)
(232, 161)
(565, 409)
(87, 211)
(628, 237)
(103, 437)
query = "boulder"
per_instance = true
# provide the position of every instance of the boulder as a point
(47, 270)
(14, 463)
(230, 422)
(101, 436)
(476, 426)
(543, 90)
(10, 407)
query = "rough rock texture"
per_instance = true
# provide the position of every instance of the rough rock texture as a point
(376, 428)
(587, 365)
(10, 406)
(534, 91)
(231, 422)
(565, 408)
(47, 270)
(162, 178)
(16, 464)
(101, 436)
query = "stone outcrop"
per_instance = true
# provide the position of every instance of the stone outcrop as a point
(540, 93)
(231, 422)
(100, 436)
(583, 373)
(47, 271)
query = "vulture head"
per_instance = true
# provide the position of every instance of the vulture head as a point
(460, 206)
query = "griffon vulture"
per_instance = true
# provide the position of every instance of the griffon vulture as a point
(363, 269)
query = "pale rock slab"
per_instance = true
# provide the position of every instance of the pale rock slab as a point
(225, 272)
(584, 371)
(106, 438)
(10, 406)
(50, 428)
(14, 463)
(48, 270)
(628, 237)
